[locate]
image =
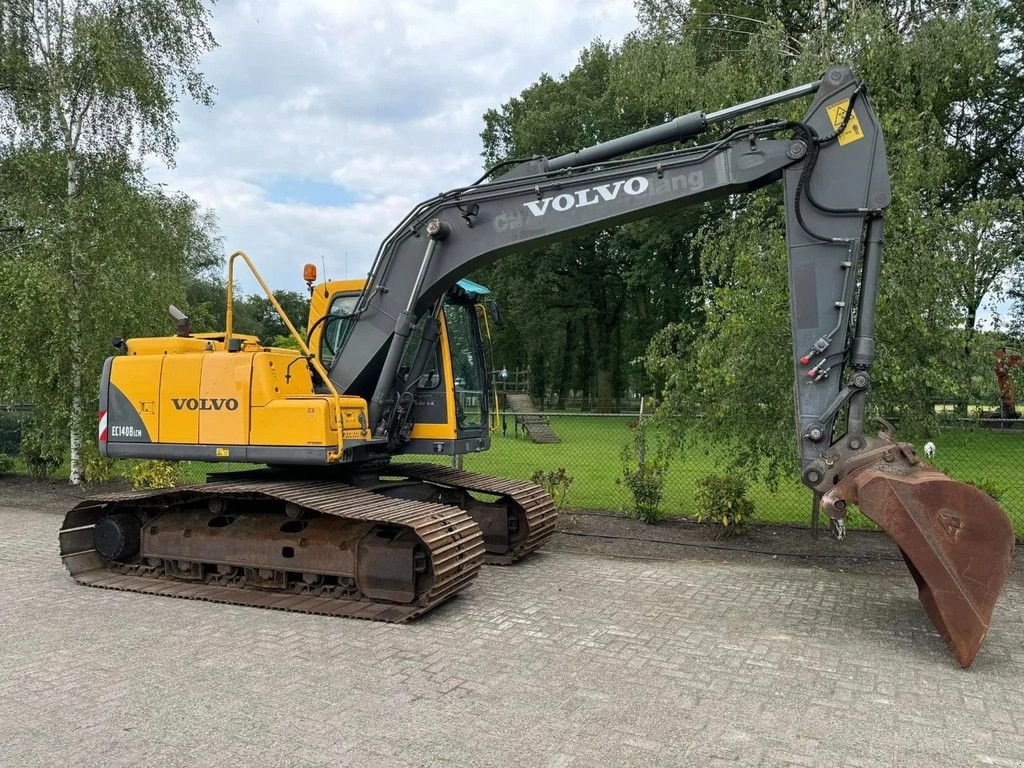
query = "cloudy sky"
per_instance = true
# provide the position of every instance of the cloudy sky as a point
(334, 117)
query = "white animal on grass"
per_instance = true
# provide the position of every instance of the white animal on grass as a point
(929, 449)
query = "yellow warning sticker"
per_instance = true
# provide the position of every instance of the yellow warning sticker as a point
(223, 453)
(837, 114)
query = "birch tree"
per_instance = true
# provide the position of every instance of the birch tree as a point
(93, 84)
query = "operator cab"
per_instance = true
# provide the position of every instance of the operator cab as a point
(451, 410)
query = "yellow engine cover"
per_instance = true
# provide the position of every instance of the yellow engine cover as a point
(182, 400)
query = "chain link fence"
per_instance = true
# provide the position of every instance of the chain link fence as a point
(988, 453)
(13, 422)
(589, 447)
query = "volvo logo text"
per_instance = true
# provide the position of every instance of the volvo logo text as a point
(204, 403)
(603, 193)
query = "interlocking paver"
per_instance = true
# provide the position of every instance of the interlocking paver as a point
(563, 660)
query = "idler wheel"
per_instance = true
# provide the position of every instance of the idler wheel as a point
(117, 536)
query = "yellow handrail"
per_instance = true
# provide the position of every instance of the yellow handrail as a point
(228, 329)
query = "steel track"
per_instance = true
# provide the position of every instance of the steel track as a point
(451, 537)
(535, 503)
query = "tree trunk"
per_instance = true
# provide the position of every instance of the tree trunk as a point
(538, 378)
(969, 333)
(605, 394)
(74, 328)
(603, 356)
(606, 350)
(75, 424)
(584, 368)
(565, 374)
(617, 366)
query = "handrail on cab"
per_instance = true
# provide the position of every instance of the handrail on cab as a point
(228, 329)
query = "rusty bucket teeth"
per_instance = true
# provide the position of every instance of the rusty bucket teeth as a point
(955, 539)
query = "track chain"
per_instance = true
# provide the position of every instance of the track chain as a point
(450, 534)
(535, 502)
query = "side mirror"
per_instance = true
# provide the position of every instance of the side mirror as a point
(494, 311)
(180, 321)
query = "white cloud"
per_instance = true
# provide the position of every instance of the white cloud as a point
(382, 99)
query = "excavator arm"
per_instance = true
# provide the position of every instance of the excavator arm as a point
(956, 540)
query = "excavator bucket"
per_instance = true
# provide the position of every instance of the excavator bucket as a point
(955, 539)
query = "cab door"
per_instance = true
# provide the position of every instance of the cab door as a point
(469, 374)
(450, 415)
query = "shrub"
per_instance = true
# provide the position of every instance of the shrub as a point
(555, 482)
(987, 486)
(6, 464)
(722, 499)
(644, 467)
(285, 342)
(154, 474)
(43, 456)
(97, 469)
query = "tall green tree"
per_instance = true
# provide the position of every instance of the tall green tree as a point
(611, 290)
(986, 246)
(938, 74)
(141, 245)
(88, 85)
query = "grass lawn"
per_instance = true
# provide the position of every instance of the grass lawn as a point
(591, 452)
(591, 448)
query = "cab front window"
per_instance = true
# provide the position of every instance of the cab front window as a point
(335, 325)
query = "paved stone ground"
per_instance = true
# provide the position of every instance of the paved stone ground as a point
(565, 660)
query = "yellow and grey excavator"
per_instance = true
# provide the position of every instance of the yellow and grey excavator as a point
(394, 366)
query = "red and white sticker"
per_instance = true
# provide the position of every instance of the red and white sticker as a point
(103, 426)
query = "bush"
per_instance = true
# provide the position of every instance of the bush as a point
(6, 464)
(144, 475)
(989, 487)
(644, 467)
(43, 456)
(285, 342)
(97, 469)
(555, 482)
(722, 499)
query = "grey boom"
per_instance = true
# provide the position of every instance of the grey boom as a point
(835, 193)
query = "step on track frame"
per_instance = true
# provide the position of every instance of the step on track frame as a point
(450, 535)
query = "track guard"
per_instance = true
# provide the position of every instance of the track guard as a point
(956, 540)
